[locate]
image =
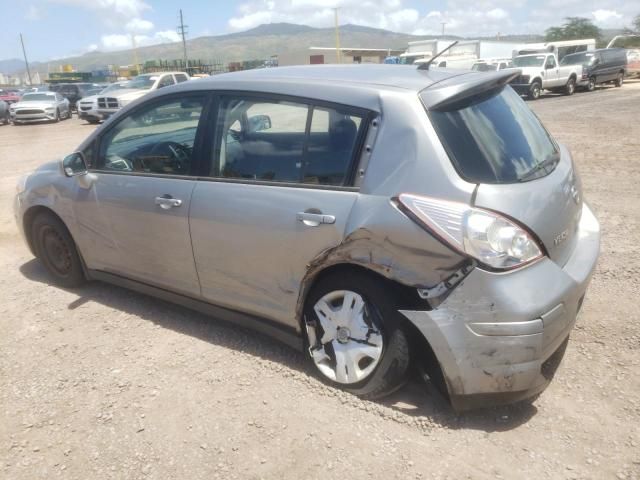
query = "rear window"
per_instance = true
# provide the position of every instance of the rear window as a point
(495, 138)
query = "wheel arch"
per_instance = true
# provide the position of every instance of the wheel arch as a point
(405, 298)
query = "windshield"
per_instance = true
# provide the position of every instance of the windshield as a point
(484, 67)
(577, 59)
(142, 82)
(116, 86)
(529, 61)
(495, 138)
(31, 97)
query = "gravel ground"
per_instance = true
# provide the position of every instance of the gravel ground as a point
(106, 383)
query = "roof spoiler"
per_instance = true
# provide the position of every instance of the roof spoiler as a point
(459, 87)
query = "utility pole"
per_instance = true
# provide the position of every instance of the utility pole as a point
(26, 62)
(443, 24)
(135, 54)
(182, 30)
(338, 52)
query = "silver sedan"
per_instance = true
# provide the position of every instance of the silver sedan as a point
(39, 106)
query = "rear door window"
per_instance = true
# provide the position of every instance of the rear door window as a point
(281, 141)
(495, 138)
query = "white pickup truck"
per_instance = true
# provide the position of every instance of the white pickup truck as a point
(542, 71)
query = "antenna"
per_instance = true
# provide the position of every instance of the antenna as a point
(425, 66)
(182, 30)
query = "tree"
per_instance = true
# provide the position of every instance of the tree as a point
(574, 28)
(636, 23)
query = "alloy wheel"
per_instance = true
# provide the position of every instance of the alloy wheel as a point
(347, 344)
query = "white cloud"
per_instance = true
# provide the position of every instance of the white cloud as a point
(606, 18)
(92, 47)
(124, 41)
(481, 17)
(138, 25)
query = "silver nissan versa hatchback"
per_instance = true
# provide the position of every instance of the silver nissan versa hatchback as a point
(375, 217)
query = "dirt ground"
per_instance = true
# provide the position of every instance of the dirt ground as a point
(105, 383)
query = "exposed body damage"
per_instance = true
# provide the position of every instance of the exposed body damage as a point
(496, 333)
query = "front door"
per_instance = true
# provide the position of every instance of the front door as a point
(278, 197)
(551, 72)
(132, 207)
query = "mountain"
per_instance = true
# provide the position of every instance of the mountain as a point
(260, 42)
(11, 65)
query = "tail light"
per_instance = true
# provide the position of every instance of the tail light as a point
(492, 239)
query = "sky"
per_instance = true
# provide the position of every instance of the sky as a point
(60, 28)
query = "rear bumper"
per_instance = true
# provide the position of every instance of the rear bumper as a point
(498, 336)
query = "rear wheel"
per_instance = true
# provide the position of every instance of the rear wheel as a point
(56, 250)
(7, 118)
(570, 87)
(591, 86)
(535, 91)
(355, 336)
(619, 79)
(93, 120)
(69, 114)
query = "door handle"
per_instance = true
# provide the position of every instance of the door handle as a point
(167, 201)
(314, 219)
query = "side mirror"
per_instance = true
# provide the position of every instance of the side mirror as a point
(257, 123)
(74, 164)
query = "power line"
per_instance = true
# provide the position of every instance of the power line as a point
(182, 30)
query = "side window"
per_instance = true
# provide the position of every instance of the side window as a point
(551, 62)
(181, 77)
(158, 139)
(165, 81)
(332, 141)
(270, 141)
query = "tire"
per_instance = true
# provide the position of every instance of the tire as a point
(570, 87)
(7, 119)
(619, 79)
(93, 121)
(69, 114)
(57, 251)
(535, 91)
(591, 86)
(57, 117)
(373, 331)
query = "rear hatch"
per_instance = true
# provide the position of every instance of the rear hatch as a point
(494, 140)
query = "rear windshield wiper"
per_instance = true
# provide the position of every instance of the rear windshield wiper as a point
(550, 161)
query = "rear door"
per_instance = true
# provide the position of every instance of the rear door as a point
(133, 206)
(277, 196)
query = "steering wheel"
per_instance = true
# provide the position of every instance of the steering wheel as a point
(179, 153)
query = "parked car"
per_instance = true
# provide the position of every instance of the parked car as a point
(136, 88)
(631, 44)
(39, 106)
(88, 106)
(9, 96)
(5, 117)
(72, 91)
(492, 65)
(540, 72)
(372, 217)
(599, 66)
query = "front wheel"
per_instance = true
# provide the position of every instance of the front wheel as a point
(57, 117)
(619, 79)
(535, 91)
(570, 87)
(57, 251)
(355, 337)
